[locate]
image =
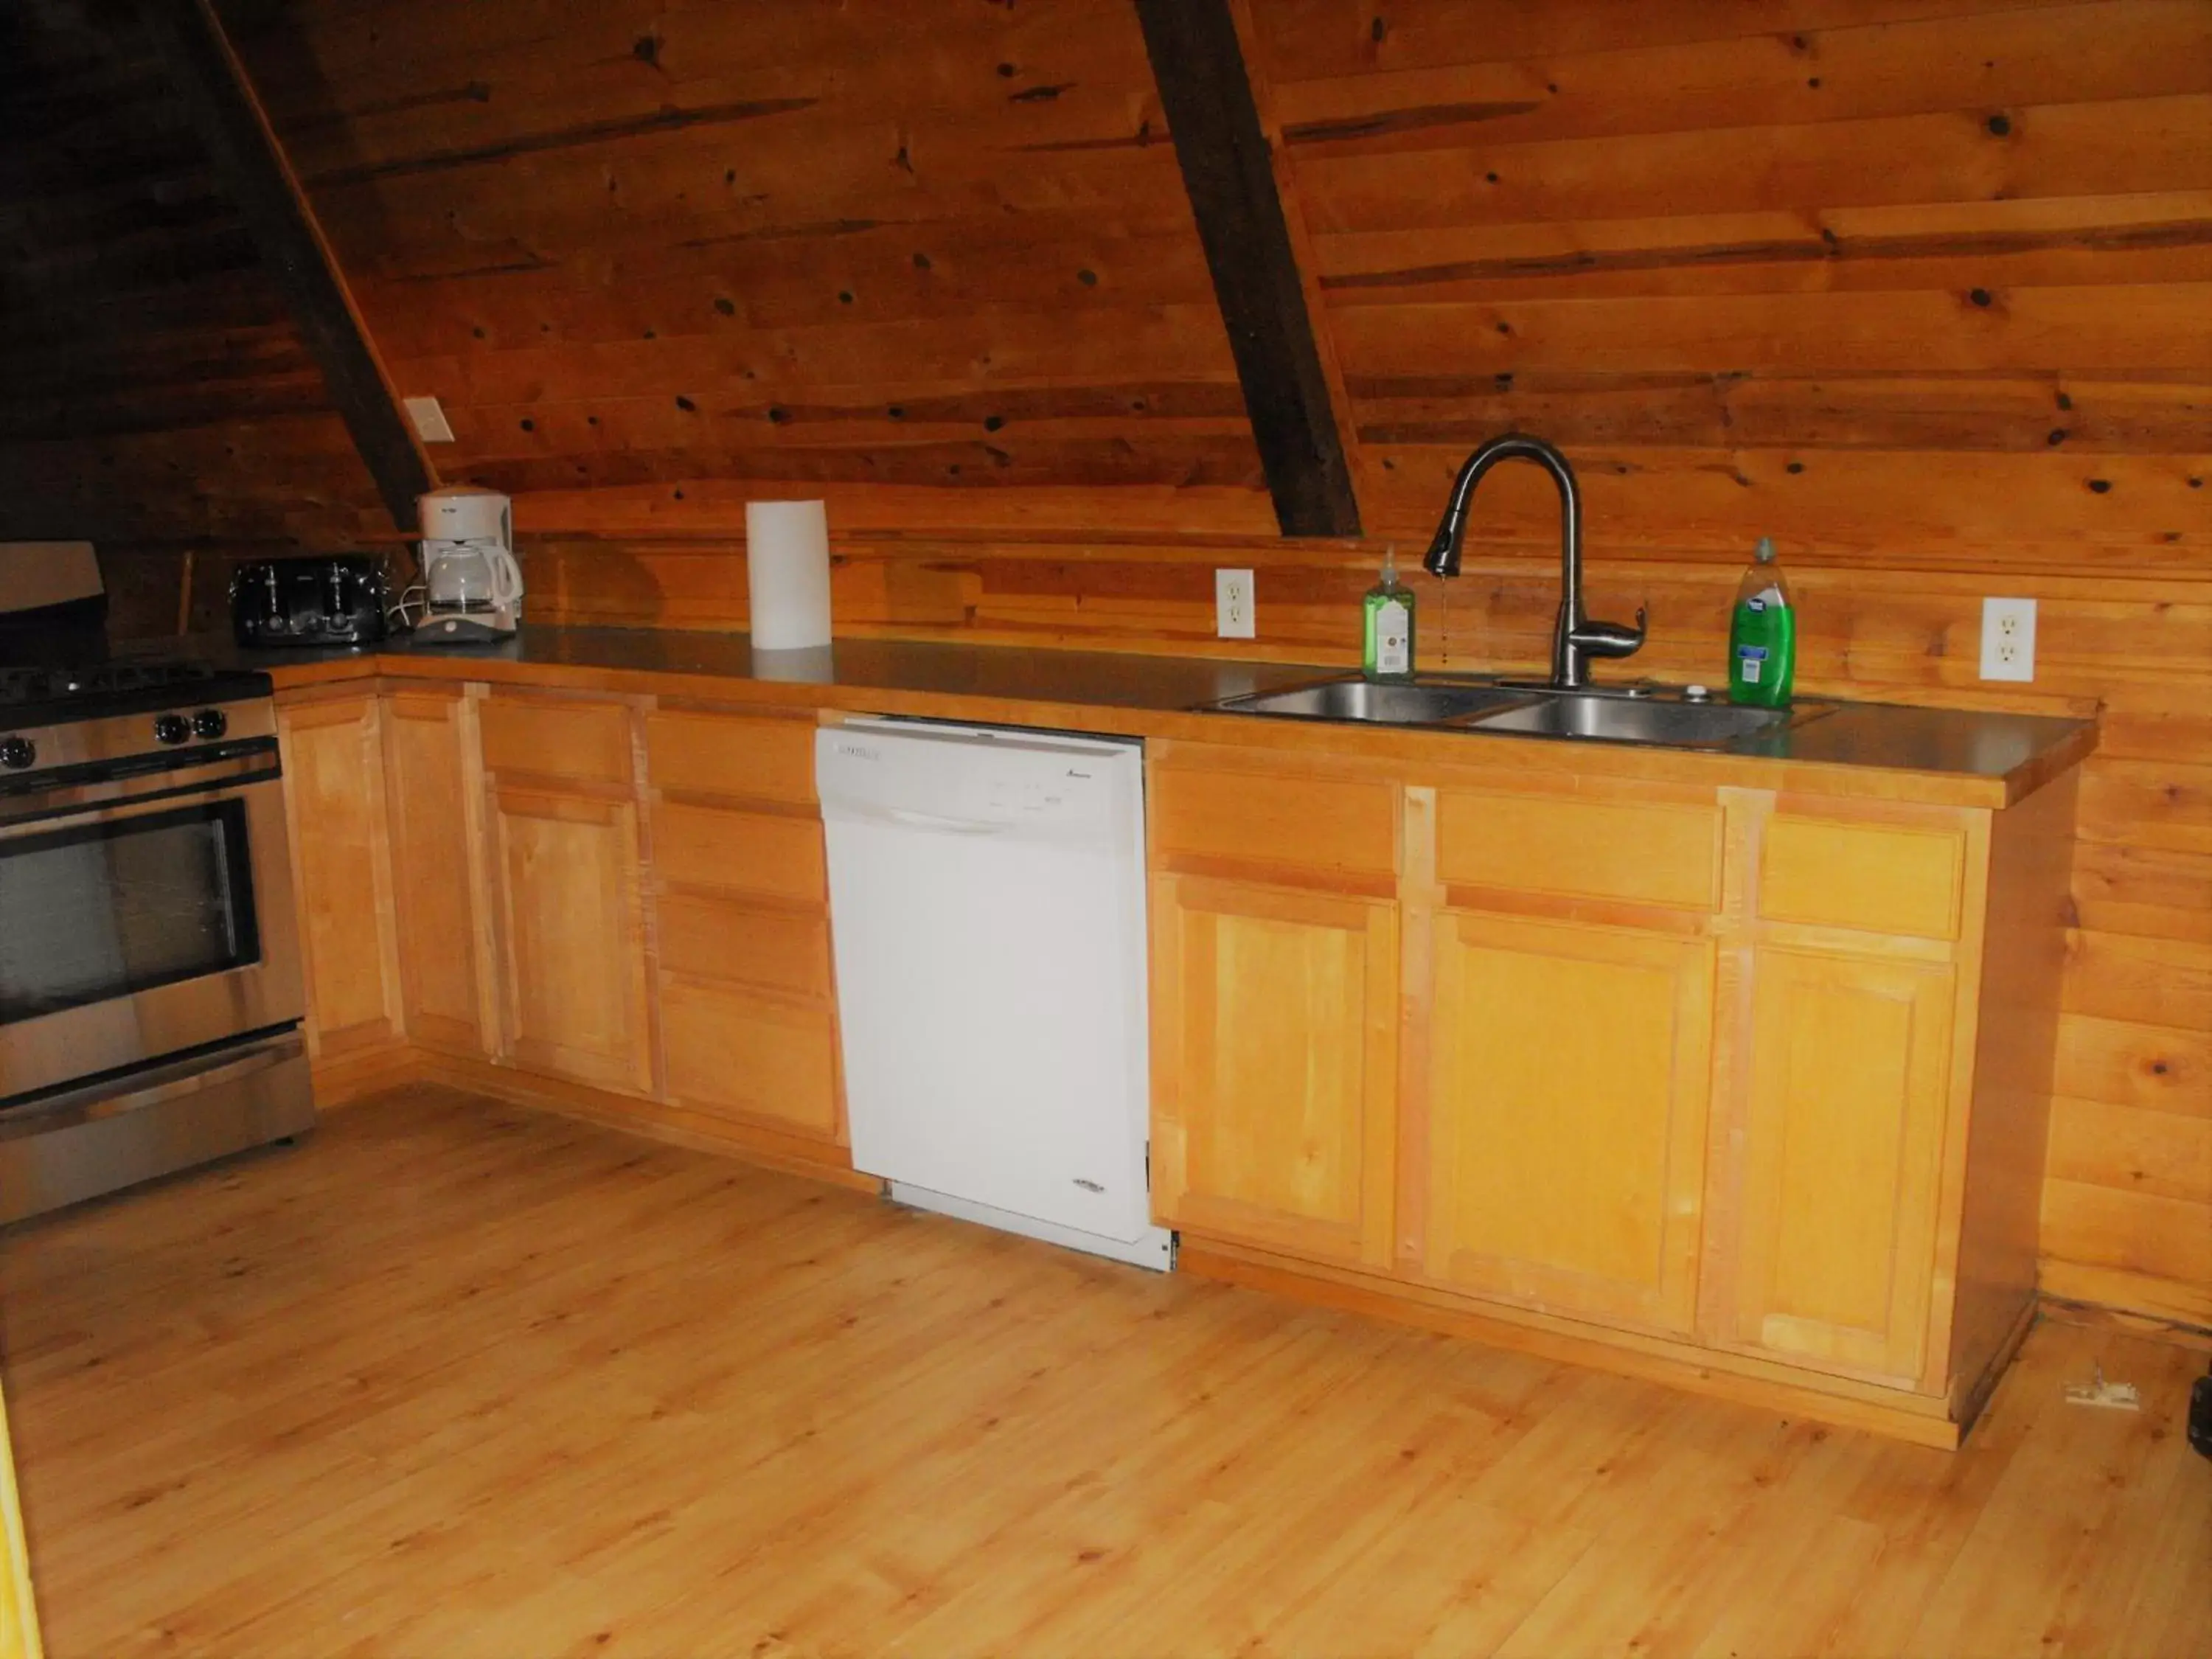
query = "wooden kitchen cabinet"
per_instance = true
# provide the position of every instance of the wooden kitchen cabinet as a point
(1567, 1118)
(334, 802)
(1274, 1073)
(1843, 1129)
(570, 893)
(1275, 1003)
(1610, 1066)
(439, 877)
(741, 890)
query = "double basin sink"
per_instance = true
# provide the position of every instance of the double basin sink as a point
(1669, 716)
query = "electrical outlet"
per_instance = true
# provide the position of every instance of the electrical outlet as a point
(431, 425)
(1232, 604)
(2009, 639)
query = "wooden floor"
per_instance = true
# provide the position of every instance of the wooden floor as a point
(456, 1379)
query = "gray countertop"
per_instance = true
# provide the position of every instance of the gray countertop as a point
(2017, 751)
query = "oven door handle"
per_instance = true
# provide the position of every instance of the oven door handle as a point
(114, 797)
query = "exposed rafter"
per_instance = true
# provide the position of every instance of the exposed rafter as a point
(193, 48)
(1208, 94)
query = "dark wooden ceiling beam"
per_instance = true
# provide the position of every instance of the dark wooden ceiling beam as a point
(1226, 169)
(196, 54)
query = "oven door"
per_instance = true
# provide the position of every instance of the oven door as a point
(142, 918)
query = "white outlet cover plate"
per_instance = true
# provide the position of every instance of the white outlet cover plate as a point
(1232, 605)
(2008, 640)
(429, 418)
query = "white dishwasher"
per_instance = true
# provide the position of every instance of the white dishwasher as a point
(987, 902)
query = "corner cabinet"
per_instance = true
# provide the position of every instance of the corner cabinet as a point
(1678, 1074)
(566, 862)
(335, 815)
(447, 971)
(611, 905)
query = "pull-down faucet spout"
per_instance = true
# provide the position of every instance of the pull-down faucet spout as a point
(1576, 639)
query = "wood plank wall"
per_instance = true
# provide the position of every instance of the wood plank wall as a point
(1921, 287)
(157, 396)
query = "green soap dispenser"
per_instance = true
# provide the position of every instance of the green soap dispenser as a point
(1762, 635)
(1386, 649)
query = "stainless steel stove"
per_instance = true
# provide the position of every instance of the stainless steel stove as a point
(150, 992)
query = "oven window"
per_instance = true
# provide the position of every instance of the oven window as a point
(105, 909)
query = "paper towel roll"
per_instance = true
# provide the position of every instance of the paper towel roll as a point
(787, 572)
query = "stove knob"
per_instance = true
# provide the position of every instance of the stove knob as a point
(17, 753)
(172, 729)
(211, 723)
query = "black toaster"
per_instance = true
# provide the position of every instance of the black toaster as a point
(334, 600)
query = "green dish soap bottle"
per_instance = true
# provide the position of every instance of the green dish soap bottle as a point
(1762, 635)
(1387, 650)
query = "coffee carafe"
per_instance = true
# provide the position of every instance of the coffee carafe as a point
(473, 586)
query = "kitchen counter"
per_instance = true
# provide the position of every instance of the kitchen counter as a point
(1950, 757)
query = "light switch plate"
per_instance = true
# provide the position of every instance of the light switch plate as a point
(430, 422)
(1232, 604)
(2008, 640)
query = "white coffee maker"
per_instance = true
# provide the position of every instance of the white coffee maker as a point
(472, 587)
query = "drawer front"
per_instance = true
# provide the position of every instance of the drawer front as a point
(740, 852)
(716, 938)
(585, 741)
(1666, 855)
(1272, 817)
(735, 1052)
(1874, 877)
(732, 755)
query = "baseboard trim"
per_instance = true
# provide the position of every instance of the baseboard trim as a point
(363, 1073)
(2154, 1327)
(2139, 1295)
(1970, 1400)
(1768, 1386)
(371, 1072)
(774, 1149)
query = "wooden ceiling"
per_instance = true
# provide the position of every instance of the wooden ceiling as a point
(634, 247)
(156, 389)
(1918, 280)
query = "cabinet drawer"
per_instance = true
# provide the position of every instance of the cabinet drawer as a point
(1877, 878)
(729, 1050)
(732, 755)
(719, 939)
(1263, 818)
(587, 741)
(740, 851)
(1644, 854)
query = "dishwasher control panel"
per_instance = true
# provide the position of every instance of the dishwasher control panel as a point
(975, 781)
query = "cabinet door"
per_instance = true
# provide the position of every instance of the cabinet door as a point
(1570, 1087)
(341, 872)
(747, 1020)
(573, 936)
(1274, 1021)
(1843, 1152)
(437, 855)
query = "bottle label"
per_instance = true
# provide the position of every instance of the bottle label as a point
(1392, 654)
(1748, 658)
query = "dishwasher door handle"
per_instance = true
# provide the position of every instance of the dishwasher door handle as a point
(954, 826)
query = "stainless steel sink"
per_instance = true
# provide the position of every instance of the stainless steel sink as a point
(1364, 700)
(1628, 713)
(1640, 720)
